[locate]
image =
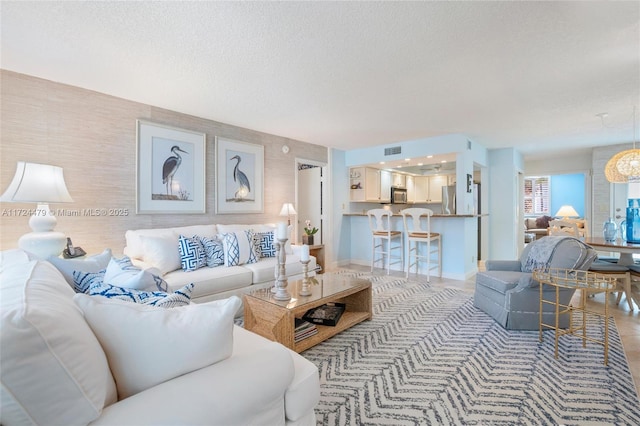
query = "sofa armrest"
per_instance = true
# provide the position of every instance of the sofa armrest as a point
(247, 388)
(502, 265)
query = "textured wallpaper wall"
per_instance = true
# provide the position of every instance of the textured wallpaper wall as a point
(93, 137)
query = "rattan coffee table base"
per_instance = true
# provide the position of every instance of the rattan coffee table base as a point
(275, 319)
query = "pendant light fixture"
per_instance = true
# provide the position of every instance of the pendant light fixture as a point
(626, 164)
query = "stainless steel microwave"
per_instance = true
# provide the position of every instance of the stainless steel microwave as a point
(398, 195)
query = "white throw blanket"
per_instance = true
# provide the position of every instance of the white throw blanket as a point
(541, 252)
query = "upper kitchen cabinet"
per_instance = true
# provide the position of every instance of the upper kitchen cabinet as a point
(428, 189)
(370, 185)
(385, 186)
(411, 189)
(398, 180)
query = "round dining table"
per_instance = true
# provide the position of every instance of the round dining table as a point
(625, 249)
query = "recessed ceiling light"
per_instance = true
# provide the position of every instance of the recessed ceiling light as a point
(429, 156)
(407, 159)
(382, 162)
(420, 164)
(443, 161)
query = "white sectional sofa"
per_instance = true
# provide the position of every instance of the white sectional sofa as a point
(71, 359)
(157, 248)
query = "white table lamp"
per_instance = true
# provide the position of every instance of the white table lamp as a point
(567, 211)
(41, 184)
(288, 210)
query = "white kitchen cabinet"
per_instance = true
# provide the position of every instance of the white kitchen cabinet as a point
(369, 185)
(398, 180)
(421, 184)
(385, 186)
(435, 188)
(428, 189)
(411, 189)
(372, 184)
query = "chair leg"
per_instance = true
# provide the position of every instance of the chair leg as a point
(429, 261)
(373, 252)
(409, 244)
(627, 290)
(388, 255)
(402, 252)
(440, 257)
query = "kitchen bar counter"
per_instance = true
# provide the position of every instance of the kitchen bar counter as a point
(459, 241)
(434, 215)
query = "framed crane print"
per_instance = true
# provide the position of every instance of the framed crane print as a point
(239, 177)
(171, 169)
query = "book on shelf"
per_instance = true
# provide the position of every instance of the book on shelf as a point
(327, 314)
(303, 329)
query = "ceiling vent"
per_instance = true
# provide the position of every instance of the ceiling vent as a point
(393, 151)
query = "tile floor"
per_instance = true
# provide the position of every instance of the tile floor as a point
(627, 321)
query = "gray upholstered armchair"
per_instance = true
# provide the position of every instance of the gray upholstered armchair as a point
(508, 293)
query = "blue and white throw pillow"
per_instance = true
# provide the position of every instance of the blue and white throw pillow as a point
(265, 243)
(160, 299)
(122, 273)
(192, 253)
(125, 263)
(83, 280)
(239, 248)
(214, 249)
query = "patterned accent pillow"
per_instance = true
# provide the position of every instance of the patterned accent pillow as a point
(160, 299)
(123, 273)
(83, 280)
(131, 277)
(265, 241)
(214, 249)
(253, 252)
(192, 254)
(160, 283)
(239, 248)
(125, 263)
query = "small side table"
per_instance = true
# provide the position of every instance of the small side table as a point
(587, 282)
(317, 251)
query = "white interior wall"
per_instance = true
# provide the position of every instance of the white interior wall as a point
(505, 164)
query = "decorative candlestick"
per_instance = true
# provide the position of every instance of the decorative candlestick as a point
(281, 281)
(305, 291)
(276, 274)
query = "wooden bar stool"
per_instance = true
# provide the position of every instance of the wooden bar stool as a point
(417, 228)
(380, 224)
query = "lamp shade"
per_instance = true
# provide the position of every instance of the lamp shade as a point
(567, 211)
(625, 164)
(611, 169)
(37, 183)
(287, 210)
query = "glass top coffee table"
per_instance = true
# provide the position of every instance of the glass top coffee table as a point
(275, 319)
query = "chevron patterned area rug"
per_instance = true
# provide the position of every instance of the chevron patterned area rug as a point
(429, 356)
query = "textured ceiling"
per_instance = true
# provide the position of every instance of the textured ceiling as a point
(352, 74)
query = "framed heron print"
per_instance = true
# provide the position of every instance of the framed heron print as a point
(171, 169)
(239, 177)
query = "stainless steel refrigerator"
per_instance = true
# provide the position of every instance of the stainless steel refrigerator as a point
(449, 199)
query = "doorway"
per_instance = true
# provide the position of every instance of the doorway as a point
(311, 196)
